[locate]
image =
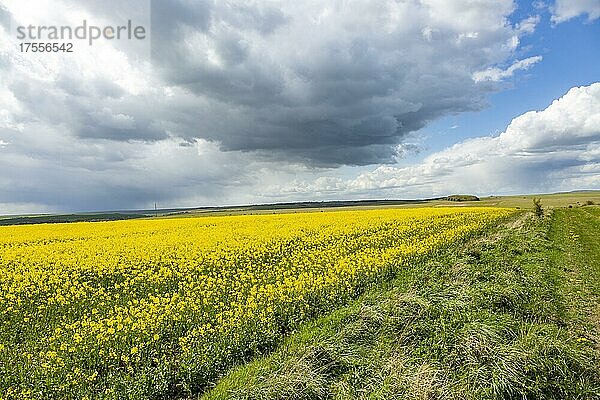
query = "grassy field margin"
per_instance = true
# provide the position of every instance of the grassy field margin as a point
(510, 314)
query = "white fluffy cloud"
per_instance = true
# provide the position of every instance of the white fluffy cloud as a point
(564, 10)
(554, 149)
(496, 74)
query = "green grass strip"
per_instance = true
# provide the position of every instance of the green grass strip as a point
(510, 314)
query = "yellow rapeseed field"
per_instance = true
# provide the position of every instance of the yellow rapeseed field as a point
(161, 307)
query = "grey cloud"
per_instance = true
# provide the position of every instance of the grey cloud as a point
(80, 87)
(5, 17)
(231, 47)
(105, 175)
(171, 21)
(169, 16)
(262, 17)
(303, 87)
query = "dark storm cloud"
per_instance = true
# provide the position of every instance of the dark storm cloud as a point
(330, 91)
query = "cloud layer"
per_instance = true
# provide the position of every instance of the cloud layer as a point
(325, 84)
(255, 101)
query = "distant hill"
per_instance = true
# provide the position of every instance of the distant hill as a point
(460, 197)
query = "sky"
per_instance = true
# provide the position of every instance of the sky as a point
(239, 102)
